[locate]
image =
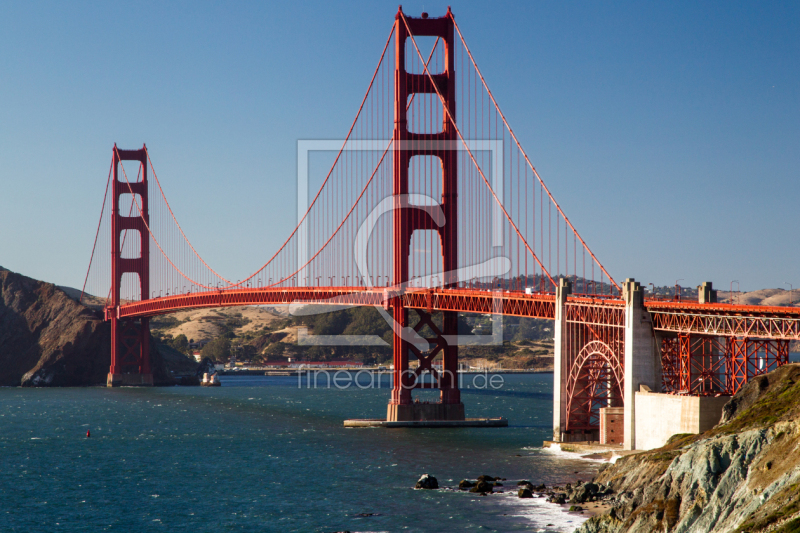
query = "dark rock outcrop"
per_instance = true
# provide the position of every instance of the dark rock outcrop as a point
(482, 486)
(428, 482)
(525, 492)
(584, 493)
(465, 485)
(48, 339)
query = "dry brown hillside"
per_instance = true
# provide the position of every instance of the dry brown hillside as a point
(777, 297)
(206, 324)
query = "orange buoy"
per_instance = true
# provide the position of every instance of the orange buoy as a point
(88, 434)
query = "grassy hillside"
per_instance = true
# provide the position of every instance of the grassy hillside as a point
(263, 334)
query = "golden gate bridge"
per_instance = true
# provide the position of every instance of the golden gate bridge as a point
(432, 206)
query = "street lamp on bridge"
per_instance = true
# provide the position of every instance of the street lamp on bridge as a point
(730, 293)
(677, 295)
(790, 291)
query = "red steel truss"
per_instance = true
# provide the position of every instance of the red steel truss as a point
(595, 348)
(700, 365)
(670, 365)
(715, 349)
(726, 320)
(752, 357)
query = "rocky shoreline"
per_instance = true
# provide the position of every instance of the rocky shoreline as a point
(741, 476)
(586, 498)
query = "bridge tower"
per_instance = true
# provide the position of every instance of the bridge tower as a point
(130, 339)
(409, 218)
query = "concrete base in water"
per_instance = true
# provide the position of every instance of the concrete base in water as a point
(422, 412)
(129, 380)
(466, 423)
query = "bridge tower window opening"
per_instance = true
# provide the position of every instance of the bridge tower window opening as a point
(432, 48)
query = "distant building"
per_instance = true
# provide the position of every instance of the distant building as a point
(197, 345)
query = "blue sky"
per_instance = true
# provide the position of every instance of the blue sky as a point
(669, 132)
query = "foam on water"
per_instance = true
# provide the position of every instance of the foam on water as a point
(542, 516)
(555, 450)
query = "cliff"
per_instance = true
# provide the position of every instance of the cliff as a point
(742, 476)
(49, 339)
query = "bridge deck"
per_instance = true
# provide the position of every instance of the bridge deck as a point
(678, 317)
(461, 300)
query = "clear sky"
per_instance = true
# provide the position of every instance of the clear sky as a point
(668, 131)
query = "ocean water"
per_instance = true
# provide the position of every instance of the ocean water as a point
(261, 454)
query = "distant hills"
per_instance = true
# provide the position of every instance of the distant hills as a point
(771, 297)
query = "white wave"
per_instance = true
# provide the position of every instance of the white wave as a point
(543, 516)
(555, 450)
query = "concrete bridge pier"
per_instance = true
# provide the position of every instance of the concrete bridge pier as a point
(642, 356)
(560, 363)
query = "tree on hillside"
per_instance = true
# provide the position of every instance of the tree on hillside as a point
(533, 329)
(218, 350)
(180, 343)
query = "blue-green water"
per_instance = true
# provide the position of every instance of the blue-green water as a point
(260, 454)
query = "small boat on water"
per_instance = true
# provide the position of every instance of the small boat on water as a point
(210, 381)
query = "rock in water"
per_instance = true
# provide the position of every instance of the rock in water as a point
(482, 486)
(427, 481)
(465, 485)
(525, 492)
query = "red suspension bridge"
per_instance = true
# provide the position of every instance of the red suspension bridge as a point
(432, 206)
